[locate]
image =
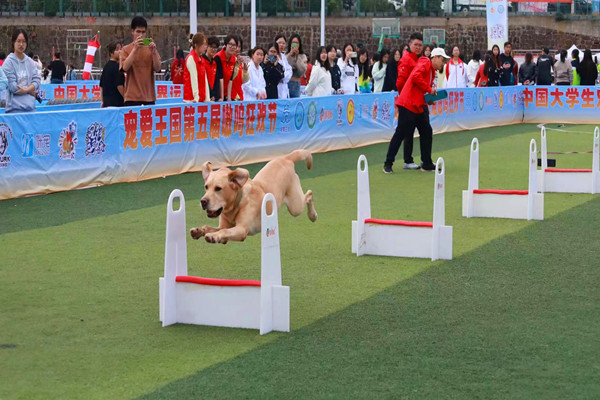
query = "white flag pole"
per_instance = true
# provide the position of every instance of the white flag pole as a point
(322, 22)
(253, 23)
(193, 16)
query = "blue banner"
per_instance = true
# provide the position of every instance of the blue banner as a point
(91, 91)
(44, 152)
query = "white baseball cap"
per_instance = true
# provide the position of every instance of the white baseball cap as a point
(438, 52)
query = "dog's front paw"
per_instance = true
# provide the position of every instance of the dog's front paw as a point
(215, 237)
(197, 233)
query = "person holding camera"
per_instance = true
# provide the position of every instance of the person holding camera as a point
(283, 92)
(273, 71)
(139, 60)
(297, 60)
(348, 64)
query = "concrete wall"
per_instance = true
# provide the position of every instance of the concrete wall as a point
(531, 33)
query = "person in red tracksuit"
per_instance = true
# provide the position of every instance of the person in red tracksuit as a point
(412, 107)
(228, 59)
(405, 67)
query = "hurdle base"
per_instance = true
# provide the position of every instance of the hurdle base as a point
(402, 241)
(568, 182)
(227, 306)
(509, 206)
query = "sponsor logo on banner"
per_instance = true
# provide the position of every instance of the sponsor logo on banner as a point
(94, 139)
(67, 142)
(27, 143)
(364, 111)
(350, 111)
(340, 110)
(325, 115)
(35, 145)
(501, 99)
(374, 108)
(285, 120)
(481, 101)
(311, 115)
(5, 132)
(299, 119)
(386, 111)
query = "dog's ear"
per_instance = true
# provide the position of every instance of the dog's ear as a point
(206, 170)
(239, 176)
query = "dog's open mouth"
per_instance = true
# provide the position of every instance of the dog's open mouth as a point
(214, 214)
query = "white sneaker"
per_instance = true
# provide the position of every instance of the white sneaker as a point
(411, 166)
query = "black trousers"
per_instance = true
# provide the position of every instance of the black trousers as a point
(407, 122)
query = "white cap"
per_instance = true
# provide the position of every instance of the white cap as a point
(438, 52)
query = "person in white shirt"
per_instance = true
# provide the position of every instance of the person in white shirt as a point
(473, 67)
(379, 70)
(255, 88)
(282, 88)
(348, 64)
(320, 77)
(456, 71)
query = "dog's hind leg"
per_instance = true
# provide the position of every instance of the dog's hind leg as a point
(296, 200)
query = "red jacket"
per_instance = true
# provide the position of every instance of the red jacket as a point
(418, 84)
(177, 71)
(405, 67)
(481, 78)
(188, 94)
(228, 66)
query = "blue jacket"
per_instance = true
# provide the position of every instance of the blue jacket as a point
(20, 73)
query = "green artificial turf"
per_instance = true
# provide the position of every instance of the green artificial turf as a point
(514, 315)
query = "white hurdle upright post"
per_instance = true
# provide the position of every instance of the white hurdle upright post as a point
(263, 305)
(516, 204)
(398, 238)
(560, 180)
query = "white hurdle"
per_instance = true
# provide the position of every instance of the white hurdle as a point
(401, 238)
(516, 204)
(570, 180)
(263, 305)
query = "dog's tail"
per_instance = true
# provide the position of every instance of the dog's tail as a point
(299, 155)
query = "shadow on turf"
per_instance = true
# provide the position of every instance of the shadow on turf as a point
(516, 318)
(33, 212)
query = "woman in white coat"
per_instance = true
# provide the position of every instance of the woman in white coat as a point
(320, 77)
(456, 71)
(348, 64)
(255, 88)
(379, 70)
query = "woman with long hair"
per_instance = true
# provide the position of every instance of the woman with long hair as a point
(334, 69)
(427, 50)
(297, 60)
(349, 69)
(273, 70)
(364, 71)
(391, 72)
(587, 69)
(456, 71)
(177, 68)
(496, 55)
(195, 84)
(320, 78)
(379, 70)
(563, 71)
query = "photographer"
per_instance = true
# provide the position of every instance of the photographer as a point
(349, 69)
(273, 71)
(297, 60)
(139, 60)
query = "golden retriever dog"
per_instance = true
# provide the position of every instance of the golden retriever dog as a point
(237, 200)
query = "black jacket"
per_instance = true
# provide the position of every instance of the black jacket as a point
(544, 70)
(527, 72)
(506, 74)
(391, 74)
(273, 75)
(336, 75)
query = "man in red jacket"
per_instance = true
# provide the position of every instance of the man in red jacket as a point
(405, 67)
(413, 108)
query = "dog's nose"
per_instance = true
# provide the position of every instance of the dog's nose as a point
(204, 203)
